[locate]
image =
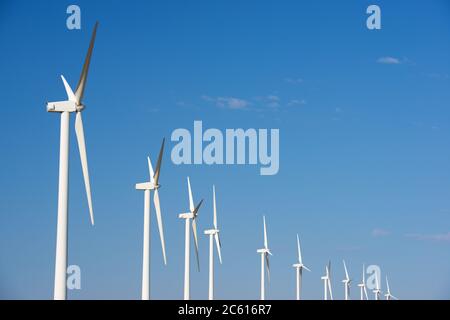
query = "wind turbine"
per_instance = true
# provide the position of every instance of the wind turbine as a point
(362, 285)
(327, 282)
(346, 282)
(265, 252)
(377, 291)
(388, 295)
(213, 236)
(153, 184)
(191, 215)
(73, 104)
(299, 266)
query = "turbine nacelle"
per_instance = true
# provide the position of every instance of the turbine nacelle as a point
(300, 266)
(146, 186)
(186, 215)
(64, 106)
(212, 231)
(264, 250)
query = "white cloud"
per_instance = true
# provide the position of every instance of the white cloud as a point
(377, 232)
(389, 60)
(439, 237)
(294, 80)
(227, 102)
(273, 101)
(296, 102)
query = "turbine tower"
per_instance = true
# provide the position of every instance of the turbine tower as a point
(213, 237)
(377, 291)
(265, 252)
(346, 282)
(299, 266)
(362, 285)
(73, 104)
(327, 282)
(388, 295)
(153, 184)
(188, 217)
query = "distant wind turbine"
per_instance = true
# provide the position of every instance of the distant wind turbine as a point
(327, 282)
(346, 282)
(388, 295)
(377, 290)
(362, 285)
(265, 252)
(188, 217)
(299, 266)
(153, 184)
(213, 237)
(73, 104)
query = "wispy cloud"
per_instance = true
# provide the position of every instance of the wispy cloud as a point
(273, 101)
(296, 102)
(378, 232)
(440, 76)
(294, 80)
(438, 237)
(349, 248)
(389, 60)
(227, 102)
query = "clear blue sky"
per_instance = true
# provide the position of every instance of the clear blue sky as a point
(364, 157)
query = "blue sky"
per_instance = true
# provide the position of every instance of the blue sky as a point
(364, 157)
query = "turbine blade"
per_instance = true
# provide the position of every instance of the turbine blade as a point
(377, 282)
(364, 274)
(158, 164)
(150, 169)
(79, 131)
(84, 72)
(198, 207)
(70, 94)
(306, 268)
(299, 251)
(365, 293)
(191, 201)
(387, 286)
(329, 269)
(265, 233)
(329, 288)
(194, 232)
(346, 272)
(218, 246)
(266, 256)
(214, 208)
(160, 224)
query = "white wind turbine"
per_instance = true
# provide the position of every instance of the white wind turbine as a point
(265, 252)
(299, 266)
(191, 215)
(153, 184)
(388, 295)
(377, 290)
(346, 282)
(362, 285)
(73, 104)
(327, 282)
(213, 237)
